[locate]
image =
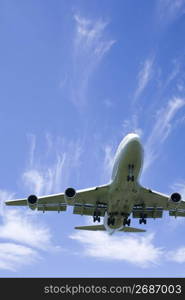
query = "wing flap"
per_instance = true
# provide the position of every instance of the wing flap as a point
(147, 212)
(88, 209)
(177, 213)
(52, 207)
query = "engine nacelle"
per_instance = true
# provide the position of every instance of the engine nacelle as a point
(69, 194)
(175, 198)
(32, 201)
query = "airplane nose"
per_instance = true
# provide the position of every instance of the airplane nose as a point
(133, 137)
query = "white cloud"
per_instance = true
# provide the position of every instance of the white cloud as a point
(138, 250)
(144, 76)
(90, 46)
(163, 126)
(131, 125)
(41, 177)
(20, 228)
(21, 236)
(4, 195)
(89, 37)
(178, 255)
(14, 256)
(169, 11)
(24, 228)
(108, 162)
(180, 187)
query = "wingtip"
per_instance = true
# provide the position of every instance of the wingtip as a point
(8, 202)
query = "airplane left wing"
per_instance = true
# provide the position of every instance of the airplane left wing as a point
(152, 204)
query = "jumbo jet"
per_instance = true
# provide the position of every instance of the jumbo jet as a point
(118, 201)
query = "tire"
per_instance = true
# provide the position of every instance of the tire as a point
(113, 222)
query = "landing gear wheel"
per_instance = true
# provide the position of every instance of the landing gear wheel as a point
(113, 221)
(142, 220)
(126, 222)
(130, 172)
(96, 216)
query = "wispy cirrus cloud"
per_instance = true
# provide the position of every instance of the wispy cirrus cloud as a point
(108, 162)
(164, 124)
(168, 11)
(22, 237)
(144, 76)
(137, 250)
(43, 178)
(90, 46)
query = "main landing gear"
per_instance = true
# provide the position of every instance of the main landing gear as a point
(96, 216)
(130, 176)
(111, 221)
(143, 219)
(126, 221)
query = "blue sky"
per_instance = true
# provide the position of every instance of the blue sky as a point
(75, 77)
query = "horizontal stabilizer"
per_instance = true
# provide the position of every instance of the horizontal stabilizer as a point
(132, 229)
(92, 228)
(102, 228)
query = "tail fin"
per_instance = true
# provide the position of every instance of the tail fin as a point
(102, 228)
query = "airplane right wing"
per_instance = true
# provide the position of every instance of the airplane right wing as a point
(85, 202)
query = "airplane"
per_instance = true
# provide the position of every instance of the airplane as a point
(119, 200)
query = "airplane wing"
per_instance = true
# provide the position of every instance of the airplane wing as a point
(85, 201)
(152, 204)
(89, 200)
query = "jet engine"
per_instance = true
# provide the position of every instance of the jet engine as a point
(69, 194)
(175, 198)
(32, 201)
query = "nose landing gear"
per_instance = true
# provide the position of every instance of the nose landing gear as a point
(130, 172)
(126, 222)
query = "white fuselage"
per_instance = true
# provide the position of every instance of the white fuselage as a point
(123, 192)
